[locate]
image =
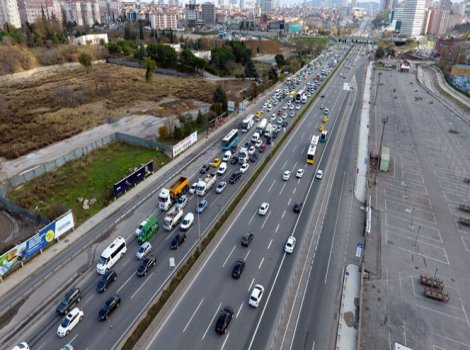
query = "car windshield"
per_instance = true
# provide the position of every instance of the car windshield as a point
(102, 261)
(65, 323)
(141, 249)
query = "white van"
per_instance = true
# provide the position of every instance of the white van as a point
(187, 222)
(222, 168)
(255, 137)
(111, 255)
(227, 156)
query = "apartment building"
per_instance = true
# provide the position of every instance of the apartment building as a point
(9, 13)
(163, 20)
(208, 12)
(81, 12)
(32, 10)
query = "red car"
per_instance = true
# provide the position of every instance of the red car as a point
(262, 148)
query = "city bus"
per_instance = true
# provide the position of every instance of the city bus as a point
(323, 136)
(298, 96)
(311, 154)
(314, 141)
(230, 140)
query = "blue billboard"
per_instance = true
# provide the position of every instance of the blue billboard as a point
(282, 24)
(295, 27)
(133, 179)
(40, 240)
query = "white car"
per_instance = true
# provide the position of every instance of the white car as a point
(21, 346)
(290, 244)
(285, 107)
(258, 143)
(263, 209)
(192, 190)
(252, 150)
(297, 107)
(222, 168)
(300, 173)
(69, 322)
(280, 120)
(256, 295)
(319, 174)
(220, 187)
(187, 222)
(286, 175)
(144, 249)
(244, 168)
(182, 201)
(291, 107)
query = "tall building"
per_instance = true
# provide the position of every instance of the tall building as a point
(85, 12)
(109, 10)
(31, 10)
(163, 20)
(437, 22)
(242, 4)
(266, 5)
(9, 13)
(191, 14)
(208, 12)
(413, 18)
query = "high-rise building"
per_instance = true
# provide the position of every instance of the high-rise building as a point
(31, 10)
(163, 20)
(266, 5)
(242, 4)
(437, 22)
(413, 18)
(208, 12)
(9, 13)
(191, 14)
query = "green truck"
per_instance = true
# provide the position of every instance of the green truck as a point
(148, 230)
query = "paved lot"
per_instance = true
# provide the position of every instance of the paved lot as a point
(416, 221)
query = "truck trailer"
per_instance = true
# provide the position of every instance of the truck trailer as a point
(172, 218)
(204, 185)
(169, 196)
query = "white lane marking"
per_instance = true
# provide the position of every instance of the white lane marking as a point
(248, 253)
(277, 228)
(170, 234)
(228, 256)
(212, 320)
(261, 263)
(75, 337)
(271, 241)
(271, 185)
(252, 281)
(249, 222)
(282, 189)
(143, 284)
(265, 220)
(40, 347)
(288, 203)
(225, 341)
(120, 288)
(293, 149)
(284, 213)
(192, 316)
(284, 164)
(239, 309)
(295, 188)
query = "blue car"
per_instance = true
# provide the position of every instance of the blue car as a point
(202, 206)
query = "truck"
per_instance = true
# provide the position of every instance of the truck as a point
(148, 230)
(269, 130)
(292, 95)
(204, 185)
(261, 125)
(248, 122)
(169, 196)
(172, 218)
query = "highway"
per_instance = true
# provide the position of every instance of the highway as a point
(191, 321)
(137, 293)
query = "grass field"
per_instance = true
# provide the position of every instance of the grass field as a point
(89, 177)
(309, 40)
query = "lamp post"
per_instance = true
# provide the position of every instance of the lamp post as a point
(198, 225)
(417, 235)
(412, 217)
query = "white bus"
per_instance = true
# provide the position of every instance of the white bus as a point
(311, 154)
(298, 96)
(314, 141)
(111, 255)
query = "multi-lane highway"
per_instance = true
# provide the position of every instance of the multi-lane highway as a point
(137, 293)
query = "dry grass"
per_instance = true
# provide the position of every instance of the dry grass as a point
(53, 107)
(265, 46)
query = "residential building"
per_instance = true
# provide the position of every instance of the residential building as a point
(208, 12)
(9, 13)
(163, 20)
(413, 18)
(437, 22)
(91, 39)
(83, 12)
(192, 14)
(32, 10)
(266, 5)
(109, 10)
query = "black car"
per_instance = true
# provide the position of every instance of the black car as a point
(275, 133)
(238, 268)
(105, 281)
(298, 207)
(234, 160)
(247, 238)
(233, 148)
(71, 298)
(178, 240)
(253, 157)
(224, 319)
(268, 141)
(110, 305)
(235, 177)
(204, 168)
(284, 123)
(145, 265)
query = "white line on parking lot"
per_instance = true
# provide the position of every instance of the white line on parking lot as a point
(120, 288)
(252, 281)
(277, 228)
(212, 320)
(283, 214)
(261, 263)
(143, 284)
(271, 241)
(271, 185)
(229, 256)
(265, 220)
(239, 309)
(194, 313)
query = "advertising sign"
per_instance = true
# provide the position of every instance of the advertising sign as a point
(241, 107)
(231, 106)
(282, 24)
(358, 250)
(133, 179)
(64, 224)
(295, 27)
(40, 240)
(183, 145)
(12, 258)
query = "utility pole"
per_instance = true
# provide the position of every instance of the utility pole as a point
(384, 121)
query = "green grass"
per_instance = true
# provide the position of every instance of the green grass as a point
(88, 177)
(310, 40)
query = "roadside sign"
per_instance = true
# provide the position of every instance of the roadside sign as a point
(231, 106)
(359, 250)
(241, 107)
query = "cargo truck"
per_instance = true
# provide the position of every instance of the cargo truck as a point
(248, 122)
(269, 130)
(169, 196)
(261, 125)
(204, 185)
(172, 218)
(148, 230)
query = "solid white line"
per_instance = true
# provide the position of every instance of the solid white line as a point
(194, 313)
(210, 323)
(261, 263)
(120, 288)
(228, 256)
(143, 284)
(269, 245)
(252, 281)
(239, 309)
(277, 228)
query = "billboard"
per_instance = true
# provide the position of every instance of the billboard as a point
(64, 224)
(133, 179)
(40, 240)
(183, 145)
(231, 106)
(12, 258)
(282, 24)
(295, 27)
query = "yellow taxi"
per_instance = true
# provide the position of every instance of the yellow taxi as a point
(321, 128)
(258, 114)
(216, 162)
(325, 119)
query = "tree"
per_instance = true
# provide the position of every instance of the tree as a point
(254, 90)
(220, 56)
(86, 61)
(280, 60)
(141, 30)
(272, 75)
(250, 69)
(164, 55)
(163, 132)
(149, 65)
(379, 53)
(220, 97)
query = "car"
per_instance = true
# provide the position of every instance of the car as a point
(262, 148)
(321, 127)
(69, 322)
(224, 320)
(222, 168)
(144, 249)
(278, 129)
(286, 175)
(21, 346)
(247, 238)
(105, 280)
(292, 114)
(145, 265)
(258, 113)
(220, 187)
(319, 174)
(238, 268)
(279, 112)
(292, 107)
(284, 124)
(71, 298)
(268, 140)
(256, 295)
(280, 120)
(178, 240)
(263, 209)
(290, 244)
(182, 201)
(216, 162)
(322, 95)
(258, 143)
(67, 347)
(300, 173)
(252, 149)
(254, 157)
(109, 306)
(192, 189)
(234, 160)
(201, 206)
(235, 177)
(272, 118)
(244, 168)
(297, 107)
(285, 107)
(326, 111)
(298, 207)
(204, 168)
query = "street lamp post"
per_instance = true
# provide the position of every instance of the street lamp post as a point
(412, 217)
(417, 235)
(198, 225)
